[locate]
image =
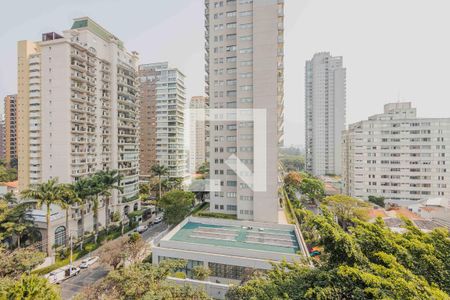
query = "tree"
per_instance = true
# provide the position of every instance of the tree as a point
(369, 262)
(293, 163)
(159, 171)
(294, 179)
(377, 200)
(142, 281)
(68, 199)
(109, 181)
(347, 208)
(204, 170)
(45, 194)
(176, 205)
(116, 253)
(15, 222)
(83, 189)
(28, 287)
(312, 188)
(201, 272)
(16, 262)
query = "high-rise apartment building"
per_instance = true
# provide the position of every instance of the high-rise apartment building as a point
(10, 128)
(325, 101)
(244, 65)
(78, 109)
(397, 155)
(197, 154)
(162, 119)
(2, 139)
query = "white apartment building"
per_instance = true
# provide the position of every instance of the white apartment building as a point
(79, 110)
(325, 101)
(197, 149)
(244, 65)
(164, 91)
(397, 155)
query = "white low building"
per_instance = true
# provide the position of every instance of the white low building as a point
(230, 249)
(397, 155)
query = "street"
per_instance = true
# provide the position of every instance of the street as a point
(74, 285)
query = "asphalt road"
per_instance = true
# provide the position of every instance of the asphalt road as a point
(74, 285)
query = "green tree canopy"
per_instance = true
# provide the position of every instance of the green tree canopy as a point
(367, 262)
(142, 281)
(176, 205)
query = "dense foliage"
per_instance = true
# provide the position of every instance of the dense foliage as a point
(176, 205)
(366, 262)
(142, 281)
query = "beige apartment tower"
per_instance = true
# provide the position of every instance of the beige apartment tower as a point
(10, 128)
(244, 65)
(77, 110)
(163, 103)
(197, 149)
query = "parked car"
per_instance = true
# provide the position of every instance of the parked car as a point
(141, 228)
(158, 220)
(59, 275)
(88, 262)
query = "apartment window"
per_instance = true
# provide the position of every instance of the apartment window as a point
(231, 59)
(231, 48)
(246, 198)
(246, 63)
(246, 100)
(246, 38)
(231, 183)
(246, 13)
(231, 195)
(246, 50)
(231, 37)
(246, 88)
(231, 14)
(231, 207)
(231, 25)
(246, 75)
(246, 26)
(245, 1)
(231, 149)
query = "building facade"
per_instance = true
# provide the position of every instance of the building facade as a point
(2, 139)
(162, 119)
(10, 128)
(197, 154)
(397, 155)
(325, 101)
(78, 111)
(244, 65)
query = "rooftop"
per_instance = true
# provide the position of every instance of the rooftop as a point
(265, 239)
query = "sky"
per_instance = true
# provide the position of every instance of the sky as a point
(394, 50)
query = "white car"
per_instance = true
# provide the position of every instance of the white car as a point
(59, 275)
(158, 220)
(141, 228)
(85, 263)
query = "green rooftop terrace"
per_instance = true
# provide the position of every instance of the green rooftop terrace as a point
(259, 239)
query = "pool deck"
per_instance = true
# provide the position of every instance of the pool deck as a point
(266, 239)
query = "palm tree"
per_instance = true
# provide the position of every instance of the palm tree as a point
(109, 180)
(82, 188)
(45, 194)
(68, 199)
(159, 170)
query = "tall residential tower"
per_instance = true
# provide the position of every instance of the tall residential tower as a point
(10, 128)
(197, 154)
(244, 65)
(162, 119)
(78, 110)
(325, 100)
